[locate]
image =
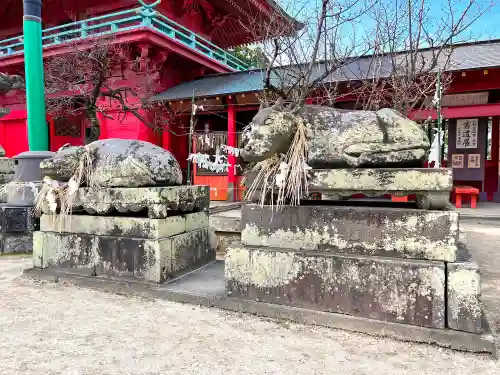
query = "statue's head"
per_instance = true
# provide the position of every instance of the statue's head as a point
(64, 163)
(270, 132)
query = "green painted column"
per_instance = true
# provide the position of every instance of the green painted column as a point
(38, 132)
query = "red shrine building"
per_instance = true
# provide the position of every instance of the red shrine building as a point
(170, 42)
(470, 108)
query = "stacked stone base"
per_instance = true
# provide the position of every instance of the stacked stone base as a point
(394, 265)
(124, 244)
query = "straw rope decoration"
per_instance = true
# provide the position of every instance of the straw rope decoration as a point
(57, 196)
(283, 179)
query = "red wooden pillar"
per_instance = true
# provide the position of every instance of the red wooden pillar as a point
(167, 136)
(495, 152)
(495, 129)
(231, 142)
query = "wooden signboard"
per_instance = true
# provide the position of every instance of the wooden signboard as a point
(457, 161)
(467, 131)
(474, 161)
(467, 148)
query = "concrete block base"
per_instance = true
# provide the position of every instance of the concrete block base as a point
(384, 231)
(152, 249)
(150, 233)
(154, 260)
(122, 226)
(387, 289)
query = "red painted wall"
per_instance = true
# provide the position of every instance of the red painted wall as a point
(13, 134)
(175, 138)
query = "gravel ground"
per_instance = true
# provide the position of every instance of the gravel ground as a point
(483, 239)
(60, 329)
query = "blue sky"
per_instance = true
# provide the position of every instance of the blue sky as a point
(487, 27)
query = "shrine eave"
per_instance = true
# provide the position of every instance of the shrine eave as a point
(297, 25)
(464, 57)
(253, 14)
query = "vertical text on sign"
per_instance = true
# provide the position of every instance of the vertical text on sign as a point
(474, 161)
(457, 161)
(467, 130)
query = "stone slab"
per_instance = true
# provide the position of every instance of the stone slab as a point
(405, 233)
(430, 185)
(16, 243)
(382, 179)
(377, 180)
(124, 226)
(15, 219)
(464, 294)
(205, 287)
(151, 260)
(158, 202)
(387, 289)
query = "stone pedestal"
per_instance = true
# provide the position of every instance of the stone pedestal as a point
(403, 233)
(17, 221)
(395, 265)
(154, 234)
(153, 202)
(395, 290)
(431, 186)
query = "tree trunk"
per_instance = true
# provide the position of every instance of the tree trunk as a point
(95, 129)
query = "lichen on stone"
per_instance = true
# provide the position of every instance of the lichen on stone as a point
(463, 293)
(382, 180)
(265, 270)
(402, 289)
(301, 238)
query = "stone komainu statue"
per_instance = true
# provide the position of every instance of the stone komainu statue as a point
(339, 138)
(116, 163)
